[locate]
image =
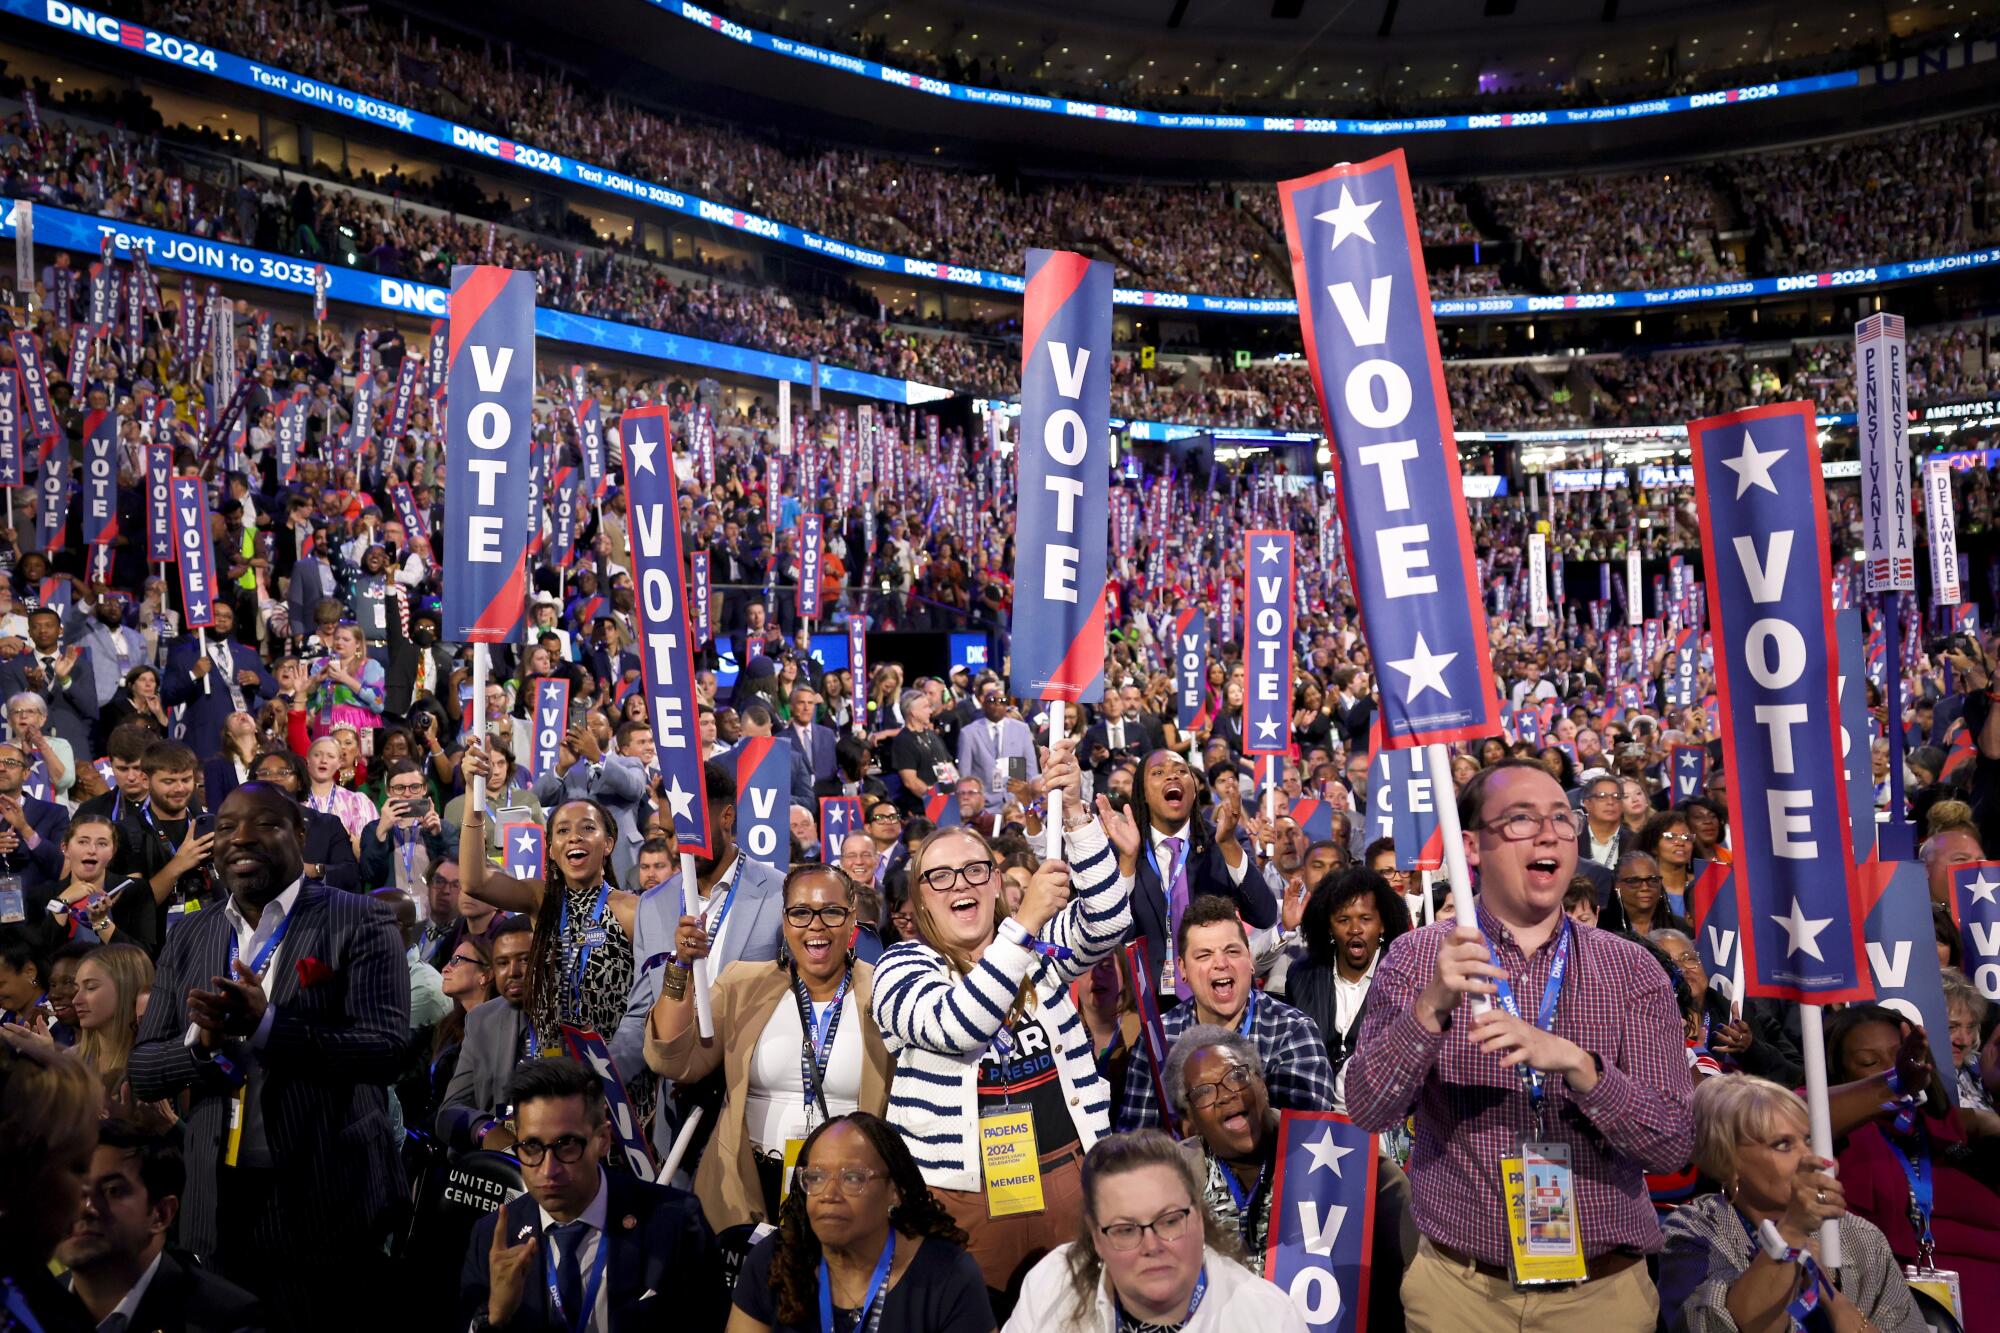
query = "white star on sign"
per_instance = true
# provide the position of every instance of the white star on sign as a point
(642, 452)
(681, 799)
(187, 490)
(1802, 932)
(1269, 551)
(1688, 760)
(1266, 729)
(1326, 1153)
(1752, 468)
(1349, 219)
(525, 844)
(1425, 670)
(1982, 888)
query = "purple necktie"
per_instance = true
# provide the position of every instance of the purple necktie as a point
(1177, 899)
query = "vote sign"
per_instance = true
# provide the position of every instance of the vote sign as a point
(197, 552)
(1402, 806)
(1975, 900)
(521, 850)
(1190, 649)
(1064, 459)
(100, 478)
(1902, 952)
(666, 634)
(1323, 1219)
(490, 400)
(1764, 542)
(812, 553)
(838, 817)
(551, 720)
(160, 503)
(762, 767)
(1690, 766)
(1268, 608)
(1365, 311)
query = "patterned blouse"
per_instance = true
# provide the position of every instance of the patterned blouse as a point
(595, 1001)
(352, 808)
(1222, 1202)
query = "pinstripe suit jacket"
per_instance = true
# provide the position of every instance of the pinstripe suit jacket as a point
(333, 1049)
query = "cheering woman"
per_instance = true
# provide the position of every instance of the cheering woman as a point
(801, 1049)
(978, 1014)
(580, 969)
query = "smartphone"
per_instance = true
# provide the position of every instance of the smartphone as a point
(204, 824)
(577, 713)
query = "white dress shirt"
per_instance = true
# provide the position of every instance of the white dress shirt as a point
(592, 1217)
(121, 1316)
(250, 940)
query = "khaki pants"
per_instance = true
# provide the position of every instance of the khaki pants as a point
(1005, 1247)
(1442, 1296)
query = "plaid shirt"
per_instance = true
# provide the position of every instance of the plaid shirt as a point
(1296, 1070)
(1471, 1112)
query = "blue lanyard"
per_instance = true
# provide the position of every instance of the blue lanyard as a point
(869, 1310)
(408, 851)
(263, 958)
(728, 901)
(1180, 862)
(1249, 1014)
(1194, 1299)
(816, 1051)
(1546, 1016)
(588, 944)
(1923, 1190)
(581, 1320)
(16, 1305)
(1236, 1190)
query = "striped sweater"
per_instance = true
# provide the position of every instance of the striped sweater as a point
(937, 1024)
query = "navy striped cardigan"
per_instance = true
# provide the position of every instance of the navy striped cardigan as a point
(937, 1024)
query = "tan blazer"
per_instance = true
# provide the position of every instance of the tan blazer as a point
(743, 999)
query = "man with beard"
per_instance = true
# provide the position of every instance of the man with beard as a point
(117, 1256)
(496, 1039)
(285, 1061)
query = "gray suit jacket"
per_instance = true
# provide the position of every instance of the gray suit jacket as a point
(977, 757)
(486, 1060)
(620, 787)
(107, 667)
(333, 1049)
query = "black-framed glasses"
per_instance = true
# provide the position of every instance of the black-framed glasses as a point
(407, 793)
(885, 817)
(470, 960)
(1523, 825)
(1203, 1095)
(1640, 881)
(833, 915)
(940, 879)
(568, 1150)
(853, 1179)
(1168, 1226)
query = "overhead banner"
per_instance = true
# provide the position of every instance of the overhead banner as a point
(1975, 889)
(1364, 309)
(1538, 580)
(1881, 421)
(197, 552)
(1064, 479)
(1944, 533)
(1764, 547)
(490, 403)
(100, 478)
(1268, 610)
(521, 854)
(812, 552)
(838, 817)
(660, 613)
(762, 768)
(1190, 649)
(1323, 1219)
(551, 721)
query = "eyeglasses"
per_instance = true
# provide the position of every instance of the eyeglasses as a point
(468, 959)
(941, 879)
(1678, 835)
(853, 1179)
(1688, 962)
(1602, 796)
(1168, 1226)
(1203, 1095)
(1521, 826)
(568, 1150)
(885, 817)
(833, 916)
(1638, 881)
(407, 792)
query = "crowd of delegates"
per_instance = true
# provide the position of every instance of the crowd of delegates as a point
(287, 972)
(1904, 193)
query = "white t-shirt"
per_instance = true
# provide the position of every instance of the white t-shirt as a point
(775, 1109)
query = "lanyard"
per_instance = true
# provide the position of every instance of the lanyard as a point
(714, 932)
(1194, 1300)
(816, 1046)
(263, 958)
(1249, 1014)
(588, 944)
(1923, 1191)
(596, 1280)
(1236, 1191)
(870, 1311)
(19, 1316)
(408, 851)
(1545, 1017)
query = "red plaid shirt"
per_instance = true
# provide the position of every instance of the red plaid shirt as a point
(1471, 1112)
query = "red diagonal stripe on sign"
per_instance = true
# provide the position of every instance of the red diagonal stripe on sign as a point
(1084, 660)
(747, 761)
(472, 299)
(1053, 284)
(496, 622)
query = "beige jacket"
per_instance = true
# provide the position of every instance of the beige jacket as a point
(743, 999)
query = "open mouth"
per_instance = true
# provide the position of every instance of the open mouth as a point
(576, 856)
(1174, 792)
(817, 948)
(244, 863)
(1358, 950)
(1236, 1123)
(1542, 870)
(965, 910)
(1223, 988)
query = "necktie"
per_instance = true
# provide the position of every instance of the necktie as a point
(49, 669)
(568, 1240)
(1177, 896)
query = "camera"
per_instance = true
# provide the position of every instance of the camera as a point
(1951, 643)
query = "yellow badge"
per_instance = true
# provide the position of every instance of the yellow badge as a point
(235, 1144)
(1544, 1243)
(1007, 1158)
(793, 1147)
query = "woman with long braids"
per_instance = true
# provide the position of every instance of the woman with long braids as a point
(801, 1045)
(581, 968)
(861, 1244)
